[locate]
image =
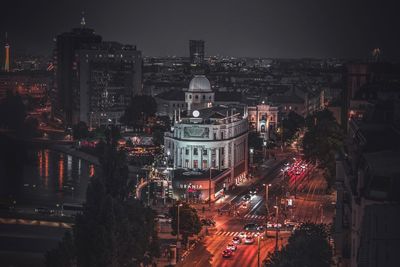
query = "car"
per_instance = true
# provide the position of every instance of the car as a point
(260, 228)
(246, 197)
(251, 227)
(249, 240)
(231, 247)
(253, 191)
(227, 253)
(274, 225)
(207, 222)
(44, 211)
(289, 223)
(163, 218)
(242, 234)
(236, 240)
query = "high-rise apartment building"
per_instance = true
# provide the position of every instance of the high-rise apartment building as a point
(94, 79)
(109, 75)
(196, 50)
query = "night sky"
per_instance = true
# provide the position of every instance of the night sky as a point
(265, 28)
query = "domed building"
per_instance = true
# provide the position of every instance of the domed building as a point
(199, 94)
(208, 144)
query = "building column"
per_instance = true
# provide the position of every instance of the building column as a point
(217, 157)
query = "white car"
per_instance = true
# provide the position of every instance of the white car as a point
(231, 247)
(249, 240)
(242, 234)
(163, 218)
(236, 240)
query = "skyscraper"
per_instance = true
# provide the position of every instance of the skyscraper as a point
(66, 72)
(109, 74)
(196, 50)
(94, 79)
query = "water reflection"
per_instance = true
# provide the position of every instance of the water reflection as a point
(61, 172)
(55, 178)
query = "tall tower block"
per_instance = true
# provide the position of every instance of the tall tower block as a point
(7, 57)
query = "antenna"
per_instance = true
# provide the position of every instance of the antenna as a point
(83, 22)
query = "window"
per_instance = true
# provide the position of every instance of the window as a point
(222, 150)
(215, 136)
(195, 164)
(195, 152)
(196, 97)
(222, 135)
(186, 163)
(190, 96)
(187, 151)
(204, 164)
(205, 152)
(204, 97)
(173, 105)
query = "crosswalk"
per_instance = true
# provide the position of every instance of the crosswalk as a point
(254, 217)
(232, 233)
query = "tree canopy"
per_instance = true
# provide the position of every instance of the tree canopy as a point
(12, 111)
(112, 230)
(80, 131)
(189, 222)
(321, 141)
(308, 246)
(291, 125)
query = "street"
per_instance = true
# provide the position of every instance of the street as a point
(305, 188)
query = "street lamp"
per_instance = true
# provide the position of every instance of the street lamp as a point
(266, 196)
(209, 189)
(276, 227)
(258, 248)
(178, 244)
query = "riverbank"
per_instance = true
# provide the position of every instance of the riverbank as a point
(67, 149)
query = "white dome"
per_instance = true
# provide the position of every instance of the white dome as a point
(200, 83)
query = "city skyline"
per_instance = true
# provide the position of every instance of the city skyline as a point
(241, 29)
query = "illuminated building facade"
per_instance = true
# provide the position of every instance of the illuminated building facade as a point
(109, 75)
(263, 119)
(207, 137)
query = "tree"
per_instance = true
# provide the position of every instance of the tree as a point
(30, 128)
(80, 131)
(322, 139)
(308, 246)
(64, 254)
(140, 108)
(189, 222)
(255, 141)
(112, 230)
(291, 125)
(158, 136)
(12, 111)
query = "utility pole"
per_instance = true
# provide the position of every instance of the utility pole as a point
(178, 244)
(258, 251)
(209, 190)
(276, 228)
